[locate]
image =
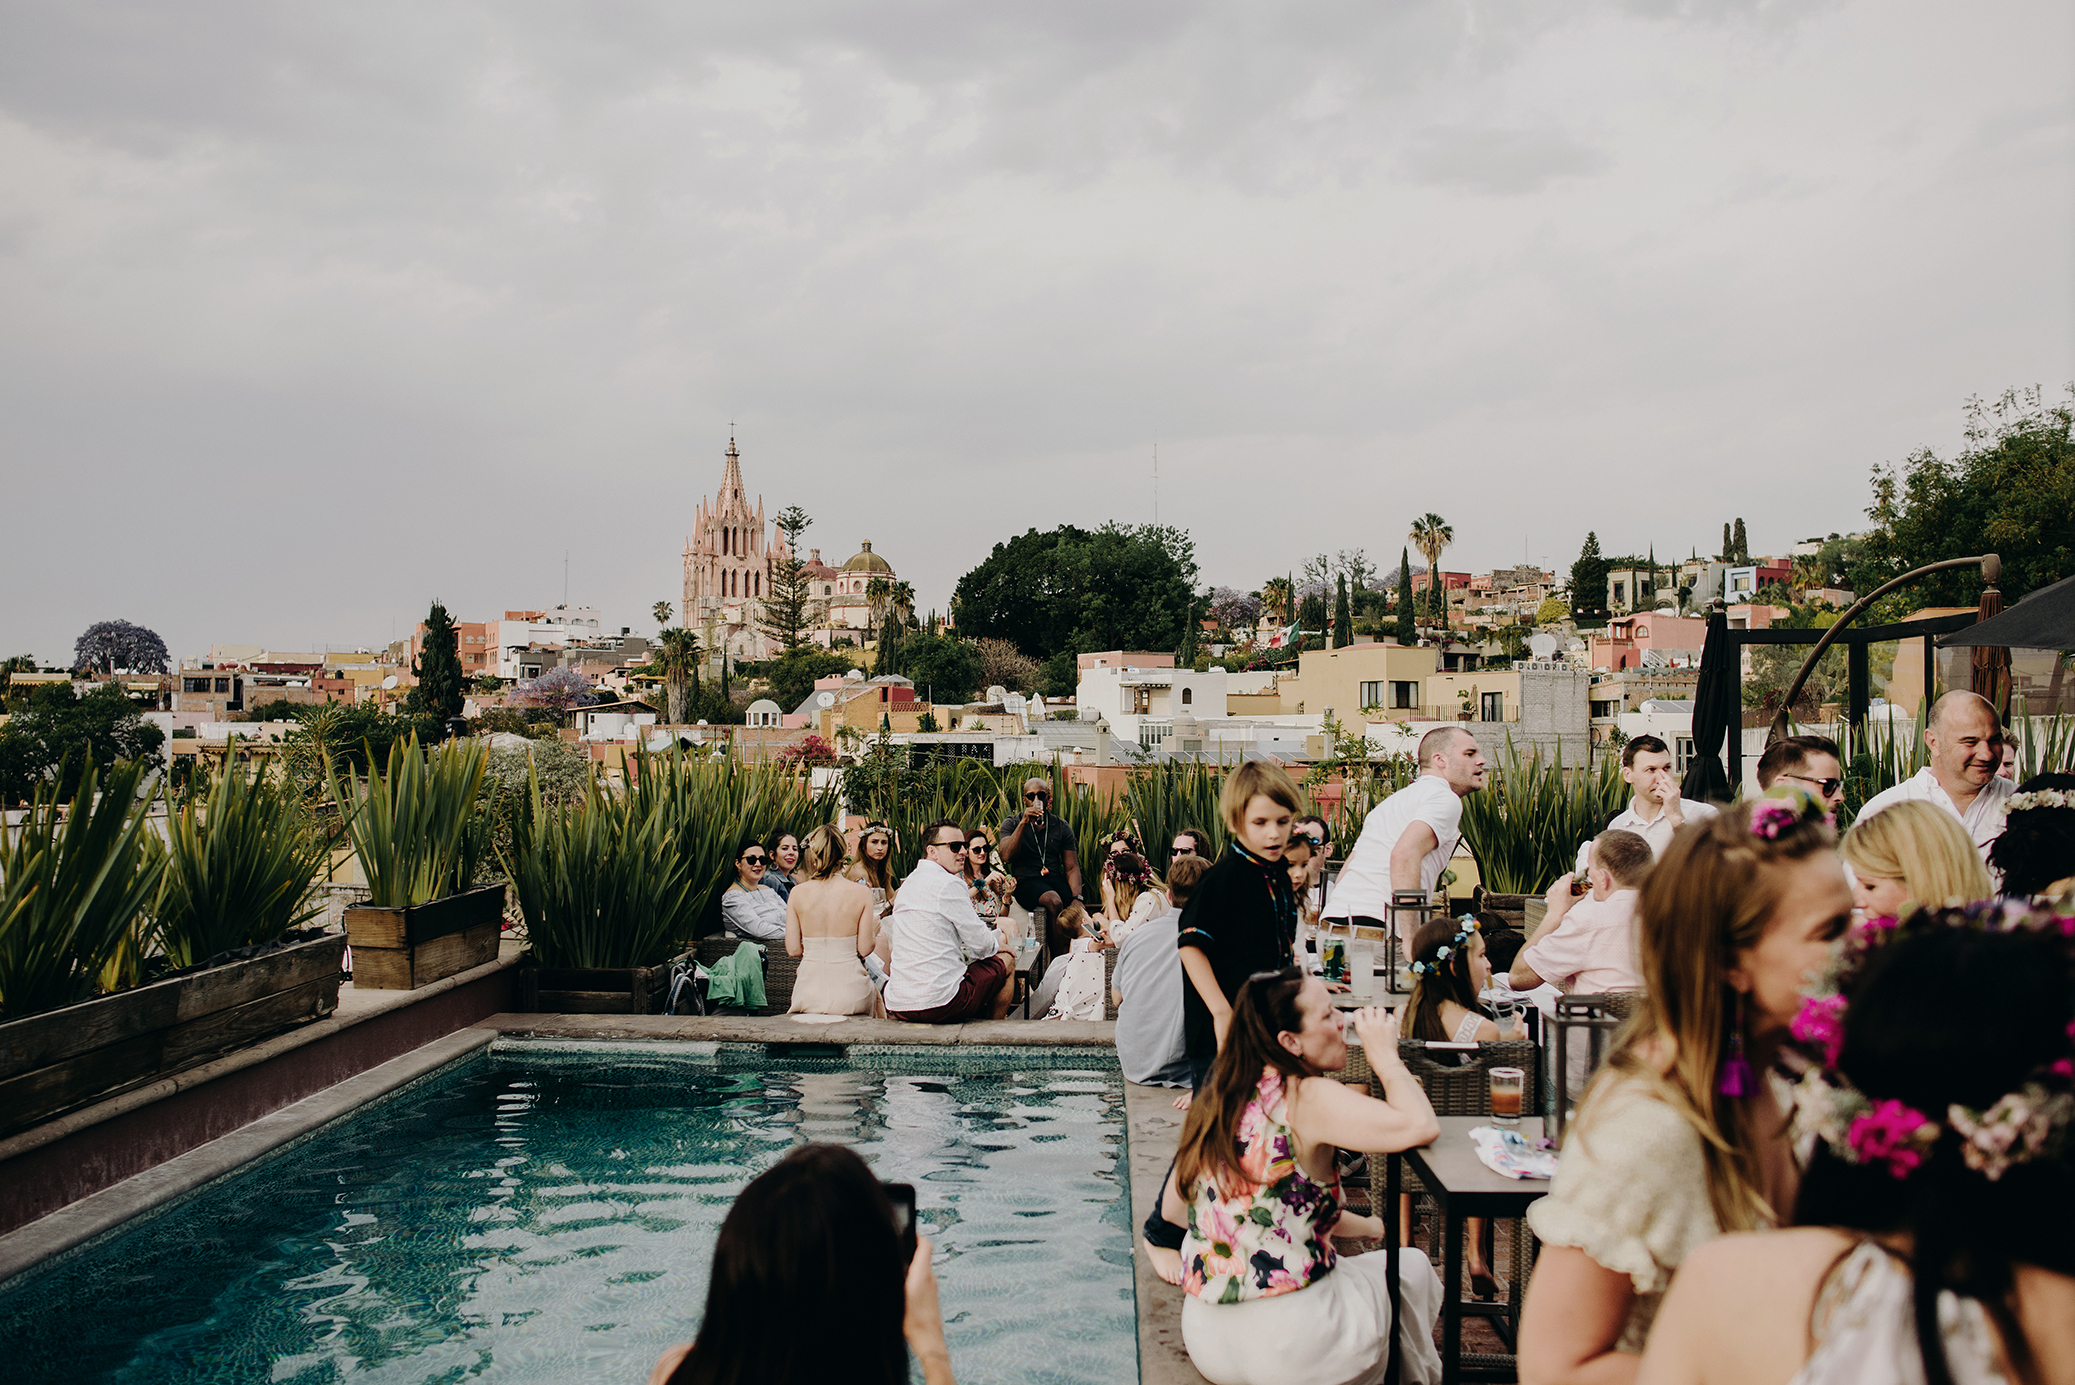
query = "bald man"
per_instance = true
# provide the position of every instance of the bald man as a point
(1965, 739)
(1038, 847)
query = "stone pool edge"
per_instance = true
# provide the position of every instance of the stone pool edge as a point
(79, 1222)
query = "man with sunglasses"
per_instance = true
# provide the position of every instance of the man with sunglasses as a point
(1039, 849)
(1812, 762)
(948, 966)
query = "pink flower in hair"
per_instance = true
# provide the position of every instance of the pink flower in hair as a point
(1893, 1134)
(1773, 816)
(2064, 1067)
(1821, 1025)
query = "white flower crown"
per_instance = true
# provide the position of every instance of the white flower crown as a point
(2039, 798)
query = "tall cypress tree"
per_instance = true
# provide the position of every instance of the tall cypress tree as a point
(1407, 634)
(437, 667)
(1343, 617)
(1728, 545)
(1742, 543)
(1589, 582)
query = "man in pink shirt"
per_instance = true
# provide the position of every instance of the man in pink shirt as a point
(1587, 946)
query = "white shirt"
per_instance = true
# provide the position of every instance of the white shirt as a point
(1983, 818)
(1657, 831)
(1150, 1048)
(936, 935)
(1364, 887)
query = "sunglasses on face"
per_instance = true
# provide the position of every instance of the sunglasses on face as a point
(752, 860)
(958, 847)
(1184, 848)
(1825, 786)
(1037, 798)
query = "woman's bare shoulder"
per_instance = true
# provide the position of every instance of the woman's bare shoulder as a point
(668, 1364)
(1748, 1258)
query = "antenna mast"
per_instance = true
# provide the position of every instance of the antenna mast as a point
(1156, 484)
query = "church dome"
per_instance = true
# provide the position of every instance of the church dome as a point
(868, 561)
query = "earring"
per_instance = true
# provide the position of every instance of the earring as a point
(1736, 1078)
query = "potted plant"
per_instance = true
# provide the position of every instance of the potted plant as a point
(419, 838)
(91, 902)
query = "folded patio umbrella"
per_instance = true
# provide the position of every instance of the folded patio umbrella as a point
(1717, 713)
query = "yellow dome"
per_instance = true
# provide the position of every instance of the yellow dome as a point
(868, 561)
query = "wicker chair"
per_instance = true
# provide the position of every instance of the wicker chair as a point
(712, 948)
(1461, 1089)
(1109, 981)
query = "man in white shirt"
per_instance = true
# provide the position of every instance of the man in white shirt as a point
(1587, 946)
(1655, 811)
(1965, 739)
(935, 932)
(1406, 840)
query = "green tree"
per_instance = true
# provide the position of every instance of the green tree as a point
(1311, 612)
(2010, 491)
(1589, 583)
(1277, 598)
(1407, 633)
(1551, 611)
(792, 673)
(1061, 676)
(662, 611)
(789, 607)
(677, 659)
(1741, 543)
(943, 667)
(437, 667)
(60, 731)
(1117, 587)
(1728, 554)
(1343, 617)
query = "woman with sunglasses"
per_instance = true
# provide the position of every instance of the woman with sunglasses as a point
(747, 908)
(989, 886)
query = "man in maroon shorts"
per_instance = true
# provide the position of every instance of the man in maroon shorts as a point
(935, 932)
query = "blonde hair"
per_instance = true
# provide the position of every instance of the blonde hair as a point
(1924, 847)
(1712, 895)
(823, 853)
(1262, 777)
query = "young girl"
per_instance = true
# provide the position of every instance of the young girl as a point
(1071, 988)
(1450, 970)
(1133, 894)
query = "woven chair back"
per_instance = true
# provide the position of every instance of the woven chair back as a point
(1457, 1088)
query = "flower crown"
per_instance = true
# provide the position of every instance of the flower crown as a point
(2029, 1123)
(1141, 876)
(1448, 949)
(2039, 798)
(1785, 807)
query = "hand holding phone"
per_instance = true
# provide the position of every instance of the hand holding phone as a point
(902, 1196)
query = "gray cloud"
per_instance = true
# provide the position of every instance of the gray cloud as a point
(310, 313)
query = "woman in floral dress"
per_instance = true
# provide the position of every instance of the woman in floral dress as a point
(1270, 1301)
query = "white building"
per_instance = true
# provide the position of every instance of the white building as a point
(1140, 704)
(520, 631)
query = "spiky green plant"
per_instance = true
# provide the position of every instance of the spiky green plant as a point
(1163, 799)
(1526, 825)
(603, 882)
(2044, 744)
(238, 866)
(414, 824)
(74, 878)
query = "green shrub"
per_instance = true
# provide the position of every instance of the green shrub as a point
(414, 825)
(237, 867)
(1526, 825)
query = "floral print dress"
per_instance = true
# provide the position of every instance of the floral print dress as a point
(1270, 1234)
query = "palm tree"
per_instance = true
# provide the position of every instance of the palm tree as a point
(677, 650)
(878, 593)
(1430, 534)
(1275, 597)
(901, 596)
(662, 612)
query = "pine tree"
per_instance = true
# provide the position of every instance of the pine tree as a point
(1589, 583)
(1407, 635)
(1185, 657)
(1343, 617)
(789, 607)
(1742, 545)
(437, 667)
(1728, 545)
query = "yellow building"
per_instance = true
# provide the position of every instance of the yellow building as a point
(1388, 681)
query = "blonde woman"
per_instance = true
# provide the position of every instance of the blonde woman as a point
(1914, 854)
(829, 926)
(1682, 1136)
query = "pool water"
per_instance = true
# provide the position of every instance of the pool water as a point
(548, 1213)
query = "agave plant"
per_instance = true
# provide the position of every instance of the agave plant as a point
(1163, 799)
(74, 878)
(603, 883)
(238, 866)
(414, 825)
(1525, 827)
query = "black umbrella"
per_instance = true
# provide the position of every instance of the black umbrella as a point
(1717, 713)
(2043, 620)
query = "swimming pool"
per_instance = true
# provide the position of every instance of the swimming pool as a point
(545, 1212)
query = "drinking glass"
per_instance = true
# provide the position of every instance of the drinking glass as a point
(1507, 1084)
(1505, 1003)
(1361, 961)
(1333, 953)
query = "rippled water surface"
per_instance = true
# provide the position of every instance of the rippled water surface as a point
(542, 1214)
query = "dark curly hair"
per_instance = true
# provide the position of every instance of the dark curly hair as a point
(2037, 847)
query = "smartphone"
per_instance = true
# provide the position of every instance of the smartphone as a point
(902, 1196)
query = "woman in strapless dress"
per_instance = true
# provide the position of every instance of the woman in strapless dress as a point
(830, 924)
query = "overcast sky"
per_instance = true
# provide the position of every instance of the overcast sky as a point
(310, 313)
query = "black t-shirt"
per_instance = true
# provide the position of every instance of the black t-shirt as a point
(1043, 849)
(1243, 917)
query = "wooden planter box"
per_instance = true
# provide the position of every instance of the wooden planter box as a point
(596, 990)
(403, 949)
(52, 1062)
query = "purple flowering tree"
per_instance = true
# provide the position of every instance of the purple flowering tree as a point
(559, 689)
(109, 645)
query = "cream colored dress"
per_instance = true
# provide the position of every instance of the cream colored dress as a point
(1631, 1191)
(832, 980)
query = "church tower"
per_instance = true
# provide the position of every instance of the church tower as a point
(727, 566)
